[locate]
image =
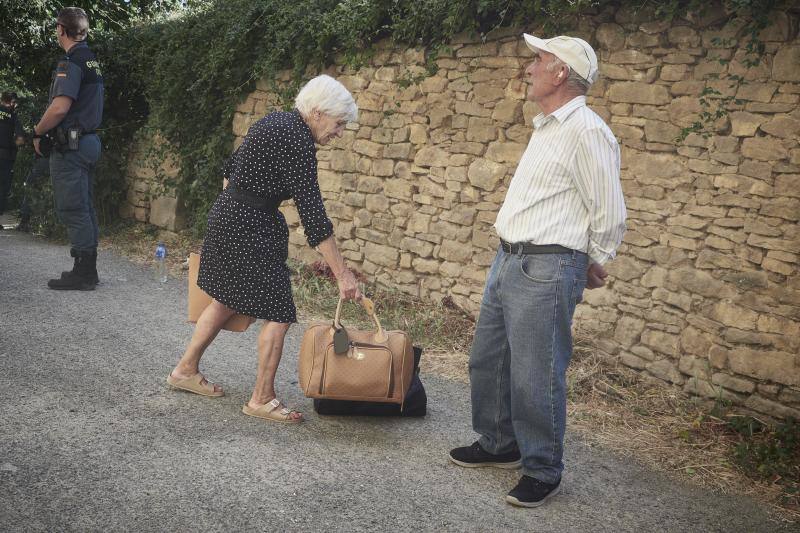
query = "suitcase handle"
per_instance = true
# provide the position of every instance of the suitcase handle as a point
(369, 307)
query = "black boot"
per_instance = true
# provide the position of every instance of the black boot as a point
(74, 253)
(81, 278)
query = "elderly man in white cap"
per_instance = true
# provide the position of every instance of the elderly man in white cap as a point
(562, 219)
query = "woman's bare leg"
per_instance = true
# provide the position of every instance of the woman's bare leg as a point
(208, 326)
(270, 350)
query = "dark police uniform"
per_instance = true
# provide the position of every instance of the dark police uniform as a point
(10, 129)
(78, 76)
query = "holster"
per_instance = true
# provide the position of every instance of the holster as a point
(66, 139)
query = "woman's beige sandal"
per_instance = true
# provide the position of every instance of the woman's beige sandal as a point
(274, 411)
(197, 384)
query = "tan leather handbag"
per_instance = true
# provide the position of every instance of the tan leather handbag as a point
(348, 364)
(199, 300)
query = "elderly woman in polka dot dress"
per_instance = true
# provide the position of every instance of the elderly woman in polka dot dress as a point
(243, 261)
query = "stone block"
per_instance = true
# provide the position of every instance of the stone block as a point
(487, 92)
(683, 36)
(638, 93)
(633, 361)
(756, 92)
(681, 301)
(661, 132)
(695, 342)
(478, 50)
(610, 36)
(455, 251)
(382, 255)
(733, 383)
(700, 387)
(486, 174)
(371, 235)
(697, 367)
(734, 316)
(771, 408)
(383, 167)
(661, 342)
(481, 130)
(653, 169)
(783, 127)
(784, 65)
(398, 188)
(167, 212)
(416, 246)
(779, 267)
(368, 148)
(785, 208)
(432, 156)
(700, 282)
(342, 160)
(785, 245)
(787, 185)
(631, 57)
(397, 150)
(776, 366)
(472, 109)
(505, 152)
(509, 111)
(684, 110)
(461, 214)
(665, 370)
(425, 266)
(628, 330)
(377, 203)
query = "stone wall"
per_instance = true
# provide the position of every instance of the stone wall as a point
(147, 200)
(705, 292)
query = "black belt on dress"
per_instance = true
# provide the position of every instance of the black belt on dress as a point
(526, 248)
(253, 200)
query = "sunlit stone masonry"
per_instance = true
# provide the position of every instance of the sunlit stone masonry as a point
(705, 292)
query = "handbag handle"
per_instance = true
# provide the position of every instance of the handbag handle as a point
(369, 307)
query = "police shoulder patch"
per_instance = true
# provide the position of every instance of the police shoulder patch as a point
(61, 68)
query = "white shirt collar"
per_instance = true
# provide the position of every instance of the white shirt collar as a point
(562, 113)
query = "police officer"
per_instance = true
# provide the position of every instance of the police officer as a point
(74, 111)
(11, 136)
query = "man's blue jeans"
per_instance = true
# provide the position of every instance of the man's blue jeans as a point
(72, 172)
(520, 354)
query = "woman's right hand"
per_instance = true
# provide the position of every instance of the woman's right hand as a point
(348, 286)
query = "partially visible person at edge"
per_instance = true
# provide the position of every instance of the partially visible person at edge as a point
(74, 112)
(11, 136)
(243, 260)
(562, 219)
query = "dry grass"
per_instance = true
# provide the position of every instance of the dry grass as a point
(609, 404)
(662, 427)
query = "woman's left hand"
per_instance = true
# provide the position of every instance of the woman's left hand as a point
(348, 286)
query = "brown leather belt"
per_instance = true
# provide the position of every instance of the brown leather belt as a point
(526, 248)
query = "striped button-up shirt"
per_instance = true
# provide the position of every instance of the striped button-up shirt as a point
(566, 189)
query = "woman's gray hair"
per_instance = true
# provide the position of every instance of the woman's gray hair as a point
(326, 95)
(575, 82)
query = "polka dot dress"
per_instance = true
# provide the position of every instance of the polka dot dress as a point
(243, 262)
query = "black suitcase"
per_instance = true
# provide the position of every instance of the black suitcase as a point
(414, 405)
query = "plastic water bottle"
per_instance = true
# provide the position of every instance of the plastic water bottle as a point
(161, 263)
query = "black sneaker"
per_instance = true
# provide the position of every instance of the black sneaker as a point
(475, 456)
(530, 492)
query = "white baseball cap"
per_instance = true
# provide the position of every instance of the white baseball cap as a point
(575, 52)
